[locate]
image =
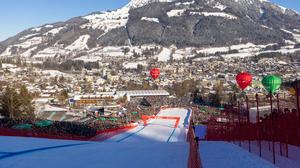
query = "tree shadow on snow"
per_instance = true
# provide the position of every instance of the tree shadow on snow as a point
(13, 154)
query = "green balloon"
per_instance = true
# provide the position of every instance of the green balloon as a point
(272, 83)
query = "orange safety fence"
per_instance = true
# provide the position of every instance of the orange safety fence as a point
(146, 118)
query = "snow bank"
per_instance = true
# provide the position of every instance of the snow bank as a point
(185, 3)
(48, 26)
(80, 43)
(53, 73)
(130, 65)
(175, 12)
(150, 19)
(220, 6)
(54, 31)
(37, 29)
(297, 37)
(29, 36)
(8, 66)
(164, 55)
(215, 14)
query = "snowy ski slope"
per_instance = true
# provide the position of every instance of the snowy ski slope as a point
(228, 155)
(158, 130)
(145, 147)
(16, 152)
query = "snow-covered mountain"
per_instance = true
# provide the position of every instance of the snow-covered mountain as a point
(141, 3)
(180, 23)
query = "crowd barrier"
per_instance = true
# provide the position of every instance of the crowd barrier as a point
(277, 128)
(30, 133)
(283, 128)
(101, 135)
(194, 155)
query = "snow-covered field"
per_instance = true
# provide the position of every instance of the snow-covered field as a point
(80, 43)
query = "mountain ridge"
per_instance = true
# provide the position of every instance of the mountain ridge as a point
(183, 23)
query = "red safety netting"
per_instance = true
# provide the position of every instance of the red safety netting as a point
(101, 135)
(30, 133)
(274, 120)
(280, 128)
(145, 119)
(194, 155)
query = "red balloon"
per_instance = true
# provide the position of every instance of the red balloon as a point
(244, 79)
(155, 72)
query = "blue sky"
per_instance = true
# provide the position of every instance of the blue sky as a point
(18, 15)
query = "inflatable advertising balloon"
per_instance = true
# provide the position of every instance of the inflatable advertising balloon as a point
(244, 79)
(272, 83)
(155, 72)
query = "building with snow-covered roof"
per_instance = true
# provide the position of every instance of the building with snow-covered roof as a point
(42, 100)
(49, 108)
(141, 93)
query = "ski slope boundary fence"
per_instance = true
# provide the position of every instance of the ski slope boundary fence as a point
(101, 135)
(278, 126)
(274, 131)
(30, 133)
(194, 154)
(146, 119)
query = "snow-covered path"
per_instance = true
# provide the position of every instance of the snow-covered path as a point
(159, 130)
(227, 155)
